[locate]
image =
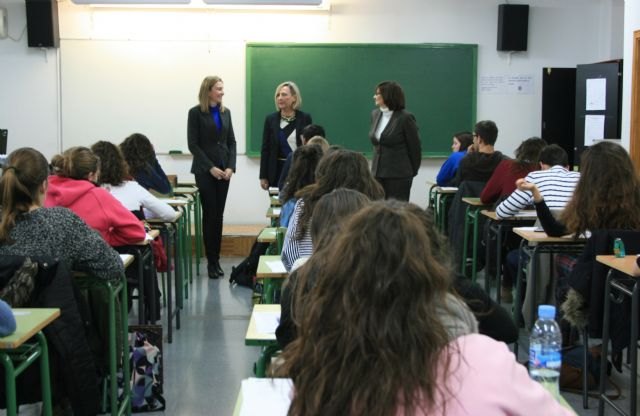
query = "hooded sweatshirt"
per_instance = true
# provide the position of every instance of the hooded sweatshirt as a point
(97, 207)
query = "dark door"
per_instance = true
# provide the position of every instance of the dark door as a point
(558, 108)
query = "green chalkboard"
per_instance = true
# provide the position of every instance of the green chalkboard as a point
(337, 82)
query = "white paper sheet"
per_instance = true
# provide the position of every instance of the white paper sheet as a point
(276, 211)
(266, 397)
(593, 129)
(596, 94)
(276, 266)
(266, 322)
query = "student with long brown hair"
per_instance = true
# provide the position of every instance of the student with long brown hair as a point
(382, 335)
(339, 168)
(73, 186)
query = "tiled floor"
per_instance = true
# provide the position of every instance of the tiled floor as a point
(208, 359)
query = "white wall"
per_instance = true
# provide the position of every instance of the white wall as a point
(40, 108)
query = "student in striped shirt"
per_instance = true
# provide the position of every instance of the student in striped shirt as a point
(555, 182)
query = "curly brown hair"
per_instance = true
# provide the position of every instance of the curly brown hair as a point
(370, 340)
(608, 193)
(138, 152)
(113, 167)
(339, 168)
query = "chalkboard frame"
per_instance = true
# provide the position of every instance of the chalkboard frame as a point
(435, 133)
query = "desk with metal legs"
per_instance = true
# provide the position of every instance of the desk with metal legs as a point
(627, 285)
(16, 354)
(500, 227)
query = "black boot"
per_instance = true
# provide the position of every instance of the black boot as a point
(219, 270)
(212, 270)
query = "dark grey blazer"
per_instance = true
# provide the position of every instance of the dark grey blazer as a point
(398, 153)
(208, 146)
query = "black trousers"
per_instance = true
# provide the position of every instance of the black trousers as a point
(213, 195)
(396, 188)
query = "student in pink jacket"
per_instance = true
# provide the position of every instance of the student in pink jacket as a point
(72, 186)
(380, 332)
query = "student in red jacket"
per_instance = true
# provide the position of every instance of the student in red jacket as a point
(503, 180)
(72, 186)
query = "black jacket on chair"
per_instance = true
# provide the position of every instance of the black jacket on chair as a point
(271, 144)
(73, 371)
(455, 217)
(588, 278)
(209, 146)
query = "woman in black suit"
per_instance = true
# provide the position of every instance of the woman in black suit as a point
(281, 134)
(213, 146)
(396, 144)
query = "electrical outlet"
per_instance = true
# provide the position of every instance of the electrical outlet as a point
(3, 23)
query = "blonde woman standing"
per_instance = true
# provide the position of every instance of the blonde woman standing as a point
(213, 146)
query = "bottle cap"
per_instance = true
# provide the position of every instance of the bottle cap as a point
(546, 311)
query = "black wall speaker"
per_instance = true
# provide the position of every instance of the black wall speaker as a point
(513, 27)
(42, 23)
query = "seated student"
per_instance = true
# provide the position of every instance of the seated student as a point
(339, 168)
(382, 334)
(28, 229)
(556, 184)
(7, 320)
(461, 142)
(329, 215)
(303, 173)
(309, 132)
(73, 186)
(503, 180)
(479, 165)
(143, 164)
(114, 178)
(606, 197)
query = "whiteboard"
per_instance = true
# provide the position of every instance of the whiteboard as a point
(111, 89)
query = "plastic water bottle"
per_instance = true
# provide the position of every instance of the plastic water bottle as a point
(544, 350)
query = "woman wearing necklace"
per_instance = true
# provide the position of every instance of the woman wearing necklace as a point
(281, 134)
(396, 144)
(213, 146)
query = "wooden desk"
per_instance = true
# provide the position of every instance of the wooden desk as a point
(474, 206)
(271, 276)
(499, 227)
(13, 350)
(273, 236)
(266, 340)
(274, 214)
(274, 201)
(628, 285)
(533, 244)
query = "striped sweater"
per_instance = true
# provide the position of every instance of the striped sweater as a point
(556, 185)
(293, 249)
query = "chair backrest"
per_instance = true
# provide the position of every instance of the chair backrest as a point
(456, 216)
